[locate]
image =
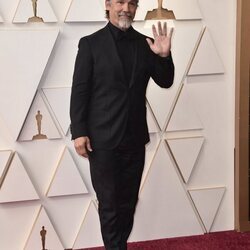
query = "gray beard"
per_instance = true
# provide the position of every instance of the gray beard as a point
(124, 24)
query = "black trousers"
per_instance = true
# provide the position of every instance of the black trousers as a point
(116, 176)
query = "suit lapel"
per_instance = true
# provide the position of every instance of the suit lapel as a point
(113, 55)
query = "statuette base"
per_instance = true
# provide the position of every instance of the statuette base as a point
(35, 19)
(159, 14)
(39, 137)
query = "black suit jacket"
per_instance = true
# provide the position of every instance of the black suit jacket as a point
(102, 102)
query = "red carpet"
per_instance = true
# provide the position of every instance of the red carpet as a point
(229, 240)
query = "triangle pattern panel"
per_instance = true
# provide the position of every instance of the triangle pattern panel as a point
(207, 202)
(162, 100)
(184, 116)
(52, 240)
(79, 11)
(151, 149)
(206, 60)
(20, 88)
(39, 114)
(162, 194)
(5, 158)
(90, 232)
(66, 179)
(41, 158)
(59, 101)
(153, 127)
(186, 152)
(184, 9)
(25, 11)
(67, 213)
(17, 185)
(16, 223)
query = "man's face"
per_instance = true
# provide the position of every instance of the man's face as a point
(121, 12)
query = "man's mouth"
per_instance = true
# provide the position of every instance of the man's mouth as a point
(125, 15)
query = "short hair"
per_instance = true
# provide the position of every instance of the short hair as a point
(107, 14)
(107, 11)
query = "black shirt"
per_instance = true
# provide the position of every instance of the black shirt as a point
(125, 45)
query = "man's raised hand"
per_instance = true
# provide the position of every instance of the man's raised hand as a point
(162, 40)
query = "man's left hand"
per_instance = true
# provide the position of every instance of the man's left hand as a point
(162, 40)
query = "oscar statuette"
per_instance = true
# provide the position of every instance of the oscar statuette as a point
(35, 18)
(39, 118)
(43, 237)
(160, 13)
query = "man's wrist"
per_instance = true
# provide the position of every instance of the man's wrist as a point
(164, 54)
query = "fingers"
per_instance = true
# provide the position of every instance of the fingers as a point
(81, 145)
(81, 150)
(89, 145)
(162, 31)
(154, 31)
(150, 43)
(165, 29)
(171, 32)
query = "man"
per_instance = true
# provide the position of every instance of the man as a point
(108, 112)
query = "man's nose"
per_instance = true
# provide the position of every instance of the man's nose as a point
(125, 7)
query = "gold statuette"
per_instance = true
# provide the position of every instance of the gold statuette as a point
(43, 237)
(35, 18)
(160, 13)
(39, 118)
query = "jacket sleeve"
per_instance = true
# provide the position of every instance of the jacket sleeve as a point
(162, 70)
(81, 89)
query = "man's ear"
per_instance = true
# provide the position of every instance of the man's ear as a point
(107, 4)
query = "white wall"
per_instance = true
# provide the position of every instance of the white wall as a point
(188, 182)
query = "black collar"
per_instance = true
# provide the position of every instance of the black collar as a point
(119, 34)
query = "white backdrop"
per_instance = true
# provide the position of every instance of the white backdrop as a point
(188, 182)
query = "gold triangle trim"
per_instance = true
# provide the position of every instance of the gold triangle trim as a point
(51, 113)
(83, 220)
(174, 159)
(56, 169)
(198, 214)
(70, 5)
(7, 166)
(51, 110)
(32, 227)
(196, 49)
(173, 106)
(154, 117)
(150, 166)
(184, 186)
